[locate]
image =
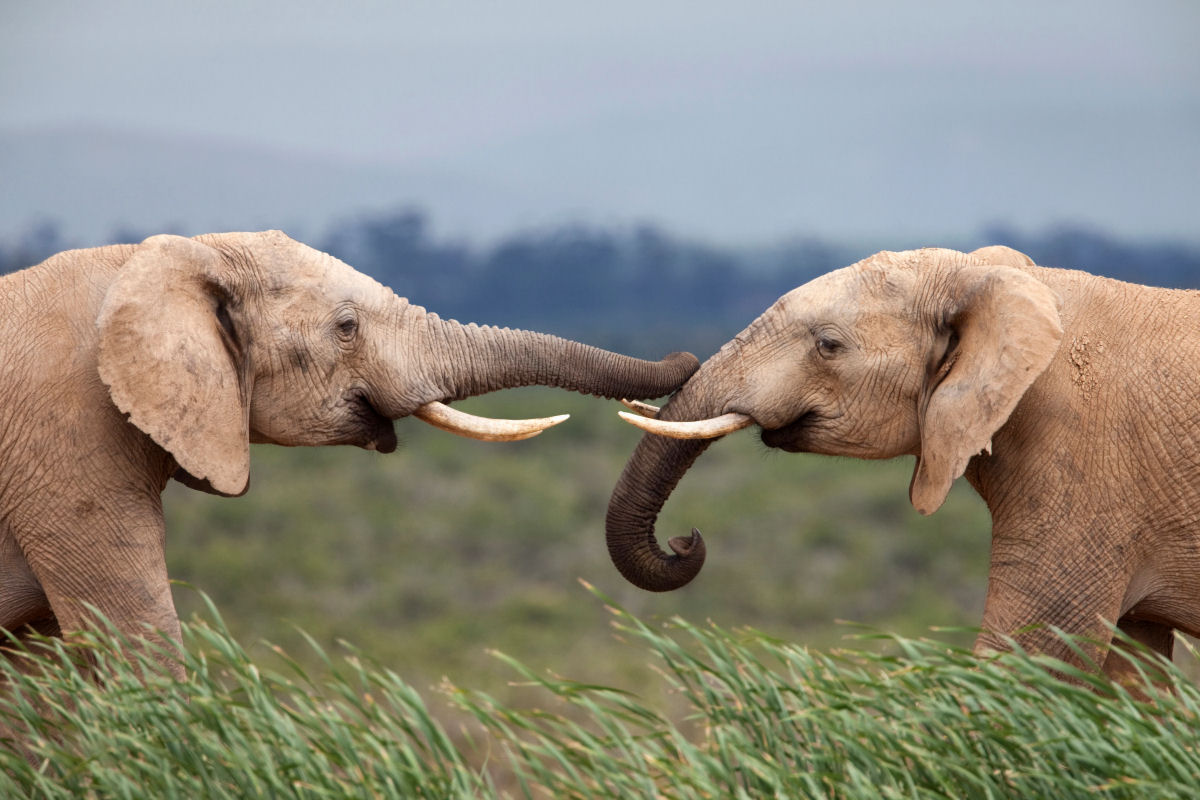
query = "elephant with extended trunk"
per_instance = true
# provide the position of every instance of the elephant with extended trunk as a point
(1068, 400)
(124, 366)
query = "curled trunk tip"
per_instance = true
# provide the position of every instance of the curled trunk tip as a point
(653, 570)
(686, 547)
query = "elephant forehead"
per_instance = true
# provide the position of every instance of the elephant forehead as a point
(317, 277)
(867, 287)
(280, 268)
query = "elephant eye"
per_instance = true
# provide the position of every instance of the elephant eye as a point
(347, 327)
(827, 346)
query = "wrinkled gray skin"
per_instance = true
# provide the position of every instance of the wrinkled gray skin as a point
(1069, 401)
(122, 367)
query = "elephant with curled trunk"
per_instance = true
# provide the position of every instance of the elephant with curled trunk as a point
(1069, 401)
(124, 366)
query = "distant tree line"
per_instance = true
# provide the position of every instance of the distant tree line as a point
(642, 291)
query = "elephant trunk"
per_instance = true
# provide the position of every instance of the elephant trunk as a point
(650, 476)
(469, 360)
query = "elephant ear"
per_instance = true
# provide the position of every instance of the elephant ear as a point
(173, 361)
(1007, 328)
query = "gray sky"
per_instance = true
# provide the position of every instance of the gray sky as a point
(734, 122)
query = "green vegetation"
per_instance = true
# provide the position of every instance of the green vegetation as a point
(426, 557)
(756, 717)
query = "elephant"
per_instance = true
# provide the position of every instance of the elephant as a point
(1068, 400)
(124, 366)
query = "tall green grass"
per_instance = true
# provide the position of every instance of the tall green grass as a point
(230, 730)
(731, 714)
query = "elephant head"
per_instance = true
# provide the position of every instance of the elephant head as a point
(211, 343)
(924, 353)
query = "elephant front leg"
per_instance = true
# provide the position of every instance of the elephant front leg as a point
(117, 573)
(1036, 586)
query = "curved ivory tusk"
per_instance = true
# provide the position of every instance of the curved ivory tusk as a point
(640, 408)
(440, 415)
(700, 429)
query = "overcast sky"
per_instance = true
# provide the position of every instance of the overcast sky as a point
(738, 122)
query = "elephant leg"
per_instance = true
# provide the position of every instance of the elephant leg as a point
(120, 573)
(1032, 593)
(1122, 661)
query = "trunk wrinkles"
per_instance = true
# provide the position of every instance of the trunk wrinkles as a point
(477, 360)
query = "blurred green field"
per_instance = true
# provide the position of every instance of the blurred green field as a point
(429, 556)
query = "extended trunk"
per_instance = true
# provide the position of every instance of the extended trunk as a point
(484, 359)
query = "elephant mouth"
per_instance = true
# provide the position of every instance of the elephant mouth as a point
(375, 431)
(791, 438)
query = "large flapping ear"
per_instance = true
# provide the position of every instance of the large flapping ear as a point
(1008, 329)
(173, 361)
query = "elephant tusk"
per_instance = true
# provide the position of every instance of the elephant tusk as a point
(440, 415)
(640, 408)
(700, 429)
